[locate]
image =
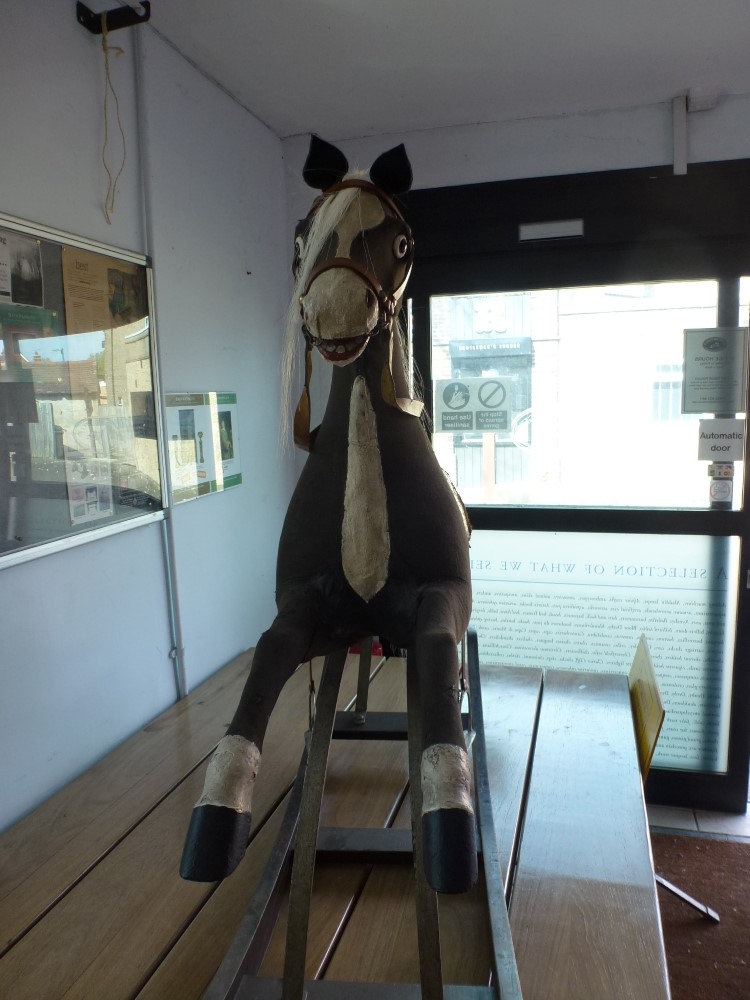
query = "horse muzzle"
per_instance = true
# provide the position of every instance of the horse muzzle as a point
(340, 311)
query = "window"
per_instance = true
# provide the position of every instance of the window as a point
(667, 392)
(570, 396)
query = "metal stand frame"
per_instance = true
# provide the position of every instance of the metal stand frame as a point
(696, 904)
(237, 977)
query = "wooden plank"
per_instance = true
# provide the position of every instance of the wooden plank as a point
(510, 700)
(187, 969)
(46, 853)
(108, 934)
(123, 926)
(584, 913)
(364, 784)
(380, 941)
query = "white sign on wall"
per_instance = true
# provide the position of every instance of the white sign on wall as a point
(204, 455)
(721, 440)
(715, 370)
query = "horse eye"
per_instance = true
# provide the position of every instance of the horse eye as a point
(401, 246)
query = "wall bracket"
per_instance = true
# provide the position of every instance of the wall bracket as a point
(119, 17)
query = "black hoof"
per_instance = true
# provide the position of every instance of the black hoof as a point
(450, 849)
(215, 843)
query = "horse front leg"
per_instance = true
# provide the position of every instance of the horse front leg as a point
(220, 822)
(448, 824)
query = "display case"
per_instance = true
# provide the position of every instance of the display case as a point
(79, 441)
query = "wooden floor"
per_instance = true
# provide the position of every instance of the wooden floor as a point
(91, 905)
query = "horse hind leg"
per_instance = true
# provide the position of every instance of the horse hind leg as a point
(220, 823)
(448, 822)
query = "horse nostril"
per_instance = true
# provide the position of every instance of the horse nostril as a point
(369, 298)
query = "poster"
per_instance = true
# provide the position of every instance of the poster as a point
(715, 370)
(5, 294)
(89, 489)
(100, 292)
(21, 326)
(582, 601)
(203, 442)
(20, 269)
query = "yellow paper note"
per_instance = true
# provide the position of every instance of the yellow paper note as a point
(647, 704)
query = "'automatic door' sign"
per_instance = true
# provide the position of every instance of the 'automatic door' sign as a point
(472, 404)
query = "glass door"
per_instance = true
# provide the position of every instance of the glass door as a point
(563, 417)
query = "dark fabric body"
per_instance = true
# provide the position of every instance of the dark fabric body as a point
(427, 533)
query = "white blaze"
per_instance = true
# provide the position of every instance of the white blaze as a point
(365, 541)
(335, 306)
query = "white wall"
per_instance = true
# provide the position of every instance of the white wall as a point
(538, 147)
(84, 634)
(217, 205)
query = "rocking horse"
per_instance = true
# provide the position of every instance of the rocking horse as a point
(375, 539)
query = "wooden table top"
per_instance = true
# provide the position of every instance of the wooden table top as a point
(584, 912)
(91, 904)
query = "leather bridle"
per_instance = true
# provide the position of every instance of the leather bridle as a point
(387, 300)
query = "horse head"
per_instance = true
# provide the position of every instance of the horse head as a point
(353, 252)
(353, 255)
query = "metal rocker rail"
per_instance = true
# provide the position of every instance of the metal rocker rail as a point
(292, 861)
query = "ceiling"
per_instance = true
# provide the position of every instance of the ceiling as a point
(348, 68)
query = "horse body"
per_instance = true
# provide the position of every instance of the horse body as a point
(375, 542)
(422, 512)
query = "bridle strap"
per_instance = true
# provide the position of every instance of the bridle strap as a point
(326, 265)
(301, 428)
(386, 300)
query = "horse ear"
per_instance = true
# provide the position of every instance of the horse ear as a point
(325, 165)
(392, 171)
